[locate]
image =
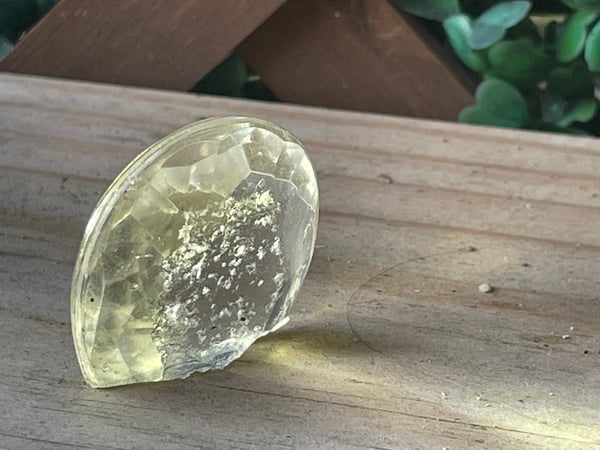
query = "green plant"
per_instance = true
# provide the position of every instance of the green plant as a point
(233, 78)
(16, 16)
(539, 62)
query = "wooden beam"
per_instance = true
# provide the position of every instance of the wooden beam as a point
(360, 55)
(390, 344)
(147, 43)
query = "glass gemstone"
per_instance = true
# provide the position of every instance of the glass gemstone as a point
(198, 248)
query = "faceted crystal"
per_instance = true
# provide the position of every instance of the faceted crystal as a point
(197, 249)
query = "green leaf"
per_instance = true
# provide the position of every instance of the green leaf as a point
(228, 78)
(43, 6)
(552, 107)
(491, 26)
(572, 41)
(15, 17)
(5, 47)
(583, 4)
(484, 35)
(498, 104)
(582, 111)
(505, 14)
(520, 62)
(458, 30)
(478, 116)
(429, 9)
(592, 49)
(570, 82)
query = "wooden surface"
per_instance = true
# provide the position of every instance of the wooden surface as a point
(390, 344)
(152, 43)
(362, 55)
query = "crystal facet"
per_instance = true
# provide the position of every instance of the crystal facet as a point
(197, 249)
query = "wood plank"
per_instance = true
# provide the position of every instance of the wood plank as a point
(390, 344)
(360, 55)
(152, 43)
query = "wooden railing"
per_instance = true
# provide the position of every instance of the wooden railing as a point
(353, 54)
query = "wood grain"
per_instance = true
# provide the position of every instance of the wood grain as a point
(390, 344)
(361, 55)
(151, 43)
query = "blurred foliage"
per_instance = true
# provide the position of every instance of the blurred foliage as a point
(233, 78)
(16, 16)
(539, 61)
(499, 103)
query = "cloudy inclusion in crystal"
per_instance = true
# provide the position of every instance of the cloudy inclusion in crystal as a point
(197, 249)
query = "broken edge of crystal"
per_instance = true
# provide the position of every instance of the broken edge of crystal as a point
(198, 248)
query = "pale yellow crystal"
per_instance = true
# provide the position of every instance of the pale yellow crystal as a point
(197, 249)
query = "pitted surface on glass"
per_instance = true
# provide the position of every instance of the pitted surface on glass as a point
(197, 249)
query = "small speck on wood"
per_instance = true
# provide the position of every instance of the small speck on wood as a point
(386, 178)
(485, 288)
